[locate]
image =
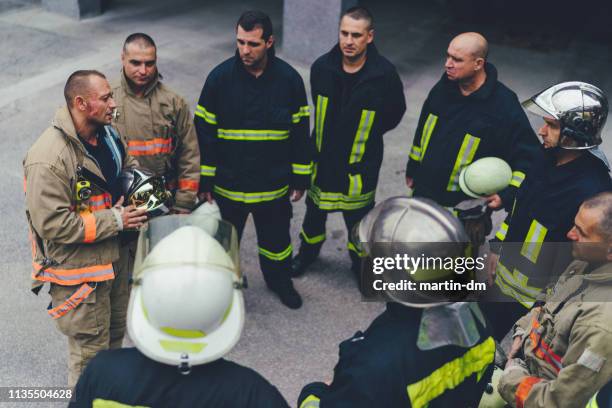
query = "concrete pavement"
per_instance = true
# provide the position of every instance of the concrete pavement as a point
(290, 348)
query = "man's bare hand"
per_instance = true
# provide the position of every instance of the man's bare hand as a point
(130, 216)
(207, 196)
(296, 195)
(494, 201)
(516, 346)
(492, 260)
(409, 182)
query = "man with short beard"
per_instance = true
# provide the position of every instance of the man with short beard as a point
(252, 122)
(156, 122)
(358, 97)
(75, 213)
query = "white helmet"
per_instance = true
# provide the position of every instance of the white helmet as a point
(484, 177)
(186, 306)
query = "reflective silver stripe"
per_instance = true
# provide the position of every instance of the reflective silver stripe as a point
(47, 273)
(208, 171)
(321, 110)
(303, 169)
(355, 184)
(464, 157)
(252, 134)
(517, 178)
(362, 135)
(533, 242)
(209, 117)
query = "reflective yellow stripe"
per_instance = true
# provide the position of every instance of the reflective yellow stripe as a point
(338, 201)
(209, 117)
(321, 110)
(533, 242)
(177, 346)
(362, 135)
(354, 248)
(465, 157)
(250, 198)
(188, 334)
(102, 403)
(304, 169)
(475, 361)
(428, 128)
(593, 402)
(252, 134)
(515, 285)
(312, 240)
(311, 401)
(208, 171)
(313, 176)
(304, 112)
(501, 233)
(277, 256)
(355, 185)
(517, 178)
(519, 297)
(415, 153)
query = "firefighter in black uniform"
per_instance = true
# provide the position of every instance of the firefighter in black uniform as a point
(252, 121)
(186, 313)
(467, 115)
(358, 96)
(530, 249)
(420, 352)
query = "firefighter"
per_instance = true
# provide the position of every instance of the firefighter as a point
(252, 122)
(156, 123)
(530, 249)
(75, 213)
(423, 350)
(467, 115)
(358, 97)
(562, 351)
(186, 313)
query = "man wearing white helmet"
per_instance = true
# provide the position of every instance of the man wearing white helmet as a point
(530, 249)
(425, 349)
(186, 312)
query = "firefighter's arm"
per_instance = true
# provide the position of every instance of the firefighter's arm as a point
(395, 102)
(587, 368)
(206, 129)
(416, 155)
(50, 202)
(521, 147)
(187, 158)
(345, 390)
(299, 130)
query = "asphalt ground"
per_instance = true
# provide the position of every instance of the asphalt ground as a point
(290, 348)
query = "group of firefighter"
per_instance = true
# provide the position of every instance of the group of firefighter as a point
(115, 152)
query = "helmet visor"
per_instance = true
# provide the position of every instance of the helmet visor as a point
(179, 241)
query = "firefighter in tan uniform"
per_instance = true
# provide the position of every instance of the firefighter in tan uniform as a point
(75, 214)
(156, 123)
(563, 349)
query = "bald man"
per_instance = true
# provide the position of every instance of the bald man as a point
(467, 115)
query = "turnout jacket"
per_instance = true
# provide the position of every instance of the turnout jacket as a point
(159, 133)
(348, 137)
(383, 367)
(532, 241)
(73, 241)
(253, 132)
(126, 377)
(455, 130)
(567, 343)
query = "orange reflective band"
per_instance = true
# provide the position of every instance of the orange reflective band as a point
(523, 389)
(67, 277)
(89, 222)
(185, 184)
(72, 302)
(543, 350)
(149, 147)
(100, 202)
